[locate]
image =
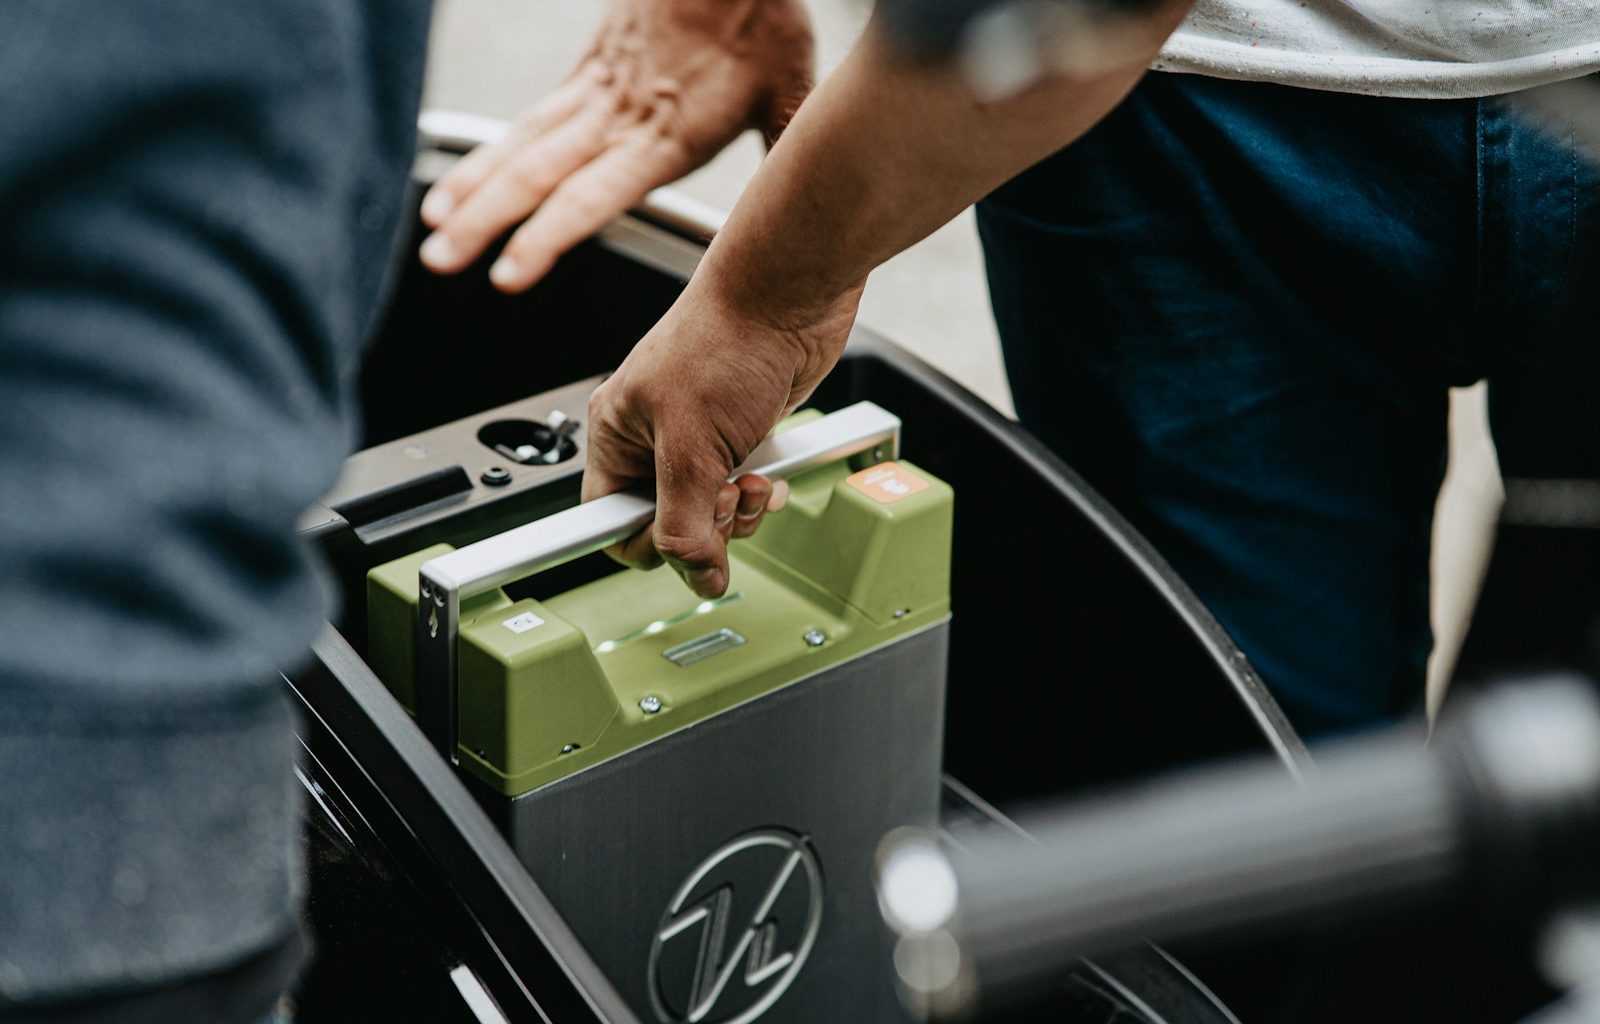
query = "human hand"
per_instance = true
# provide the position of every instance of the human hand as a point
(687, 406)
(664, 87)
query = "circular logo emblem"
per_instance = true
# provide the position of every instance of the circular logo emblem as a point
(737, 931)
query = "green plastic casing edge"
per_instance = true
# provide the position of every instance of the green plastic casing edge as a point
(538, 705)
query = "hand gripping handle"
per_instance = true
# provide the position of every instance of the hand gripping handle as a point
(446, 581)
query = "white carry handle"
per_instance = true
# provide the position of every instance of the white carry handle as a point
(446, 581)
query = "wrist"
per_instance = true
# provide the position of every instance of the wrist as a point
(778, 284)
(774, 299)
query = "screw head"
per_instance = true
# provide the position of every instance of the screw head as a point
(569, 748)
(650, 705)
(496, 476)
(815, 638)
(901, 613)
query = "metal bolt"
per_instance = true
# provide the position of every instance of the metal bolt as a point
(650, 705)
(901, 613)
(569, 748)
(562, 427)
(815, 638)
(496, 476)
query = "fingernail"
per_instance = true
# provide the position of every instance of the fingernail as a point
(505, 272)
(780, 496)
(438, 251)
(724, 520)
(437, 206)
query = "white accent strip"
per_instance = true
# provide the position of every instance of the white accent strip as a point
(476, 996)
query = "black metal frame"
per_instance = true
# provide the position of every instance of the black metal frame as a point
(376, 768)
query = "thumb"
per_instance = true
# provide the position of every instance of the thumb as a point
(695, 505)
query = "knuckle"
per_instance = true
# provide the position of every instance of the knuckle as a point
(529, 174)
(604, 403)
(603, 427)
(639, 556)
(589, 206)
(684, 550)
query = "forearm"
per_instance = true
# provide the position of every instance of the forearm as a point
(881, 154)
(884, 152)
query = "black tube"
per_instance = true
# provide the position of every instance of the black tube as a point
(1506, 801)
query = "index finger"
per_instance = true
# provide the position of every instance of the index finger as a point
(638, 551)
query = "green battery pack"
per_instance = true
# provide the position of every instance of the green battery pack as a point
(700, 787)
(550, 687)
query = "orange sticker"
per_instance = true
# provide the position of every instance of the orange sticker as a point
(887, 482)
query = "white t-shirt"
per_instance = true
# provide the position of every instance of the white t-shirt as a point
(1421, 48)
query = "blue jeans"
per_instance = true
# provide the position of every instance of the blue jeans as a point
(1236, 308)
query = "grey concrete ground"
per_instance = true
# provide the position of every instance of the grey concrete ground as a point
(494, 57)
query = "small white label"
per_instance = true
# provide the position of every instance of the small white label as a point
(522, 623)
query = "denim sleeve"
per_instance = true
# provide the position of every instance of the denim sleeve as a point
(197, 205)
